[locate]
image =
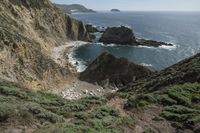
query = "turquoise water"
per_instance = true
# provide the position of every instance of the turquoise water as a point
(179, 28)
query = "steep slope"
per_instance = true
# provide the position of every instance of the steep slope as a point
(30, 111)
(174, 92)
(109, 70)
(29, 30)
(169, 108)
(185, 71)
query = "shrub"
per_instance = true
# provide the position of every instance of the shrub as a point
(126, 121)
(41, 113)
(6, 111)
(174, 117)
(166, 100)
(179, 109)
(136, 102)
(13, 91)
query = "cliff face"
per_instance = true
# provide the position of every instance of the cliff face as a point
(29, 30)
(77, 30)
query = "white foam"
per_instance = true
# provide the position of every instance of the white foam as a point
(146, 65)
(125, 25)
(77, 63)
(173, 47)
(108, 45)
(140, 46)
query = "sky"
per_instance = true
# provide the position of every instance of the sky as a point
(137, 5)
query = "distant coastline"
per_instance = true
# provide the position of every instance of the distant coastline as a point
(74, 8)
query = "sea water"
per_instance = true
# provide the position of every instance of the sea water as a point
(182, 29)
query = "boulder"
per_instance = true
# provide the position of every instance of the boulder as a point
(118, 35)
(116, 71)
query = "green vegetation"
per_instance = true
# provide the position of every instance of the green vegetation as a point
(181, 104)
(141, 100)
(89, 114)
(187, 110)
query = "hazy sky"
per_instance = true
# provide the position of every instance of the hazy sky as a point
(178, 5)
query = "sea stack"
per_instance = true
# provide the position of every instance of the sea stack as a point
(125, 36)
(118, 35)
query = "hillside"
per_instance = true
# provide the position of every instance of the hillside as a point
(74, 8)
(29, 31)
(185, 71)
(171, 108)
(32, 31)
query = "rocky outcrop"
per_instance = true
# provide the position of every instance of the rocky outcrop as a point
(125, 36)
(107, 69)
(29, 30)
(77, 30)
(118, 35)
(91, 29)
(151, 43)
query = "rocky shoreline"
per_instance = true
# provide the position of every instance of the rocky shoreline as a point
(122, 36)
(75, 88)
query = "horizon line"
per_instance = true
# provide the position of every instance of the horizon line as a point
(150, 10)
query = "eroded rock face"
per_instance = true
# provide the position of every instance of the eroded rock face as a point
(118, 35)
(91, 30)
(77, 30)
(107, 69)
(29, 30)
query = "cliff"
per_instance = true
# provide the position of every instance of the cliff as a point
(29, 31)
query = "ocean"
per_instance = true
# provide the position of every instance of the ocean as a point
(182, 29)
